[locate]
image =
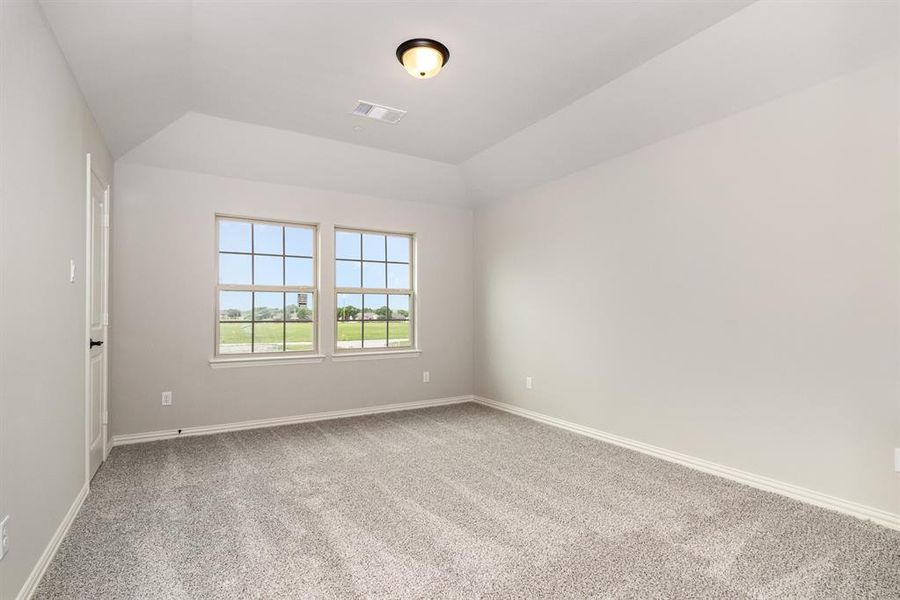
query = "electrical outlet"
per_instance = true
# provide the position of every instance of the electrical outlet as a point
(4, 536)
(167, 398)
(528, 383)
(426, 376)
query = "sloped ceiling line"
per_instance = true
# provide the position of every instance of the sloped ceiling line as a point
(223, 87)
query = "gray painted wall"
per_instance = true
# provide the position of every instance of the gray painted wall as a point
(45, 132)
(730, 293)
(163, 290)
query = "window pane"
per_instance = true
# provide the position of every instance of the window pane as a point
(299, 306)
(234, 236)
(269, 306)
(375, 334)
(234, 338)
(398, 249)
(235, 268)
(373, 261)
(347, 274)
(373, 246)
(267, 270)
(299, 337)
(399, 306)
(298, 241)
(349, 335)
(268, 337)
(398, 334)
(298, 271)
(235, 306)
(375, 307)
(349, 328)
(374, 326)
(349, 307)
(398, 276)
(373, 275)
(346, 245)
(267, 238)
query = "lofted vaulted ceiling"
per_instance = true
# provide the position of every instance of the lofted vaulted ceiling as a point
(533, 90)
(302, 66)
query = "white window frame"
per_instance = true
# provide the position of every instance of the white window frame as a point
(263, 357)
(412, 348)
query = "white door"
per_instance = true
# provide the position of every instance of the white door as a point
(97, 281)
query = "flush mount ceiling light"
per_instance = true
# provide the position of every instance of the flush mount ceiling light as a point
(423, 58)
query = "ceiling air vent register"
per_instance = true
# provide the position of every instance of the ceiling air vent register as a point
(385, 114)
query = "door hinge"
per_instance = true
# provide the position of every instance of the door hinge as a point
(106, 318)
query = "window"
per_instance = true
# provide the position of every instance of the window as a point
(374, 290)
(266, 295)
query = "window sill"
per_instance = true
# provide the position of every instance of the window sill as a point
(378, 355)
(259, 361)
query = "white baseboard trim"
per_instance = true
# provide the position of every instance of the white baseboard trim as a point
(848, 507)
(34, 578)
(151, 436)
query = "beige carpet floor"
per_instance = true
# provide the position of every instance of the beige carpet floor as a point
(453, 502)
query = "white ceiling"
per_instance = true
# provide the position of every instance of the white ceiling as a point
(302, 66)
(767, 50)
(533, 91)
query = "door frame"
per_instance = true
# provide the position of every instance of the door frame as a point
(88, 286)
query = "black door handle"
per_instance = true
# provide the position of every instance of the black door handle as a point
(93, 343)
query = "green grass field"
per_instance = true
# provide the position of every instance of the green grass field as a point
(234, 337)
(375, 330)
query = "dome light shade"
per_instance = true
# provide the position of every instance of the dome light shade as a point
(423, 58)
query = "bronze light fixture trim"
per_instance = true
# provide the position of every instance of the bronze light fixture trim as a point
(423, 58)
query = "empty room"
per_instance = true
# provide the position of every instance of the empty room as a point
(449, 299)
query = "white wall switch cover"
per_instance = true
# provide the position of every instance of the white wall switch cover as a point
(528, 383)
(167, 398)
(71, 271)
(426, 376)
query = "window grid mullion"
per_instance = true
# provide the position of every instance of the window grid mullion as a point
(252, 294)
(387, 332)
(237, 253)
(387, 298)
(236, 287)
(362, 322)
